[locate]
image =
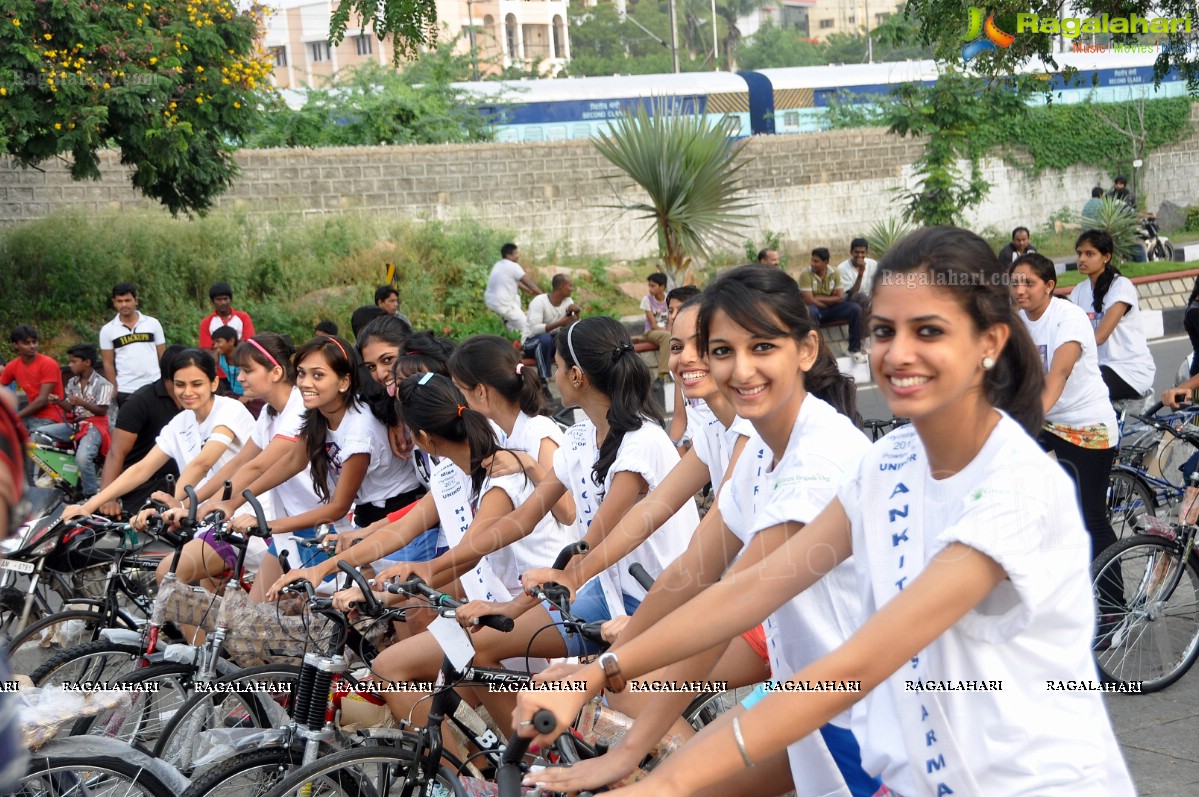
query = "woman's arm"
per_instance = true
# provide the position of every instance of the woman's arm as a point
(1064, 358)
(231, 471)
(475, 544)
(956, 580)
(136, 475)
(291, 463)
(1111, 317)
(678, 419)
(736, 604)
(353, 471)
(564, 509)
(196, 470)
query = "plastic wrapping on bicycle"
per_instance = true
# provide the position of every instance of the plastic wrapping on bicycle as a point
(417, 588)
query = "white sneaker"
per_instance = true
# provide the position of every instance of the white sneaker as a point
(859, 356)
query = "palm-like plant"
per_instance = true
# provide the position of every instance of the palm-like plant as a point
(691, 172)
(1119, 221)
(886, 233)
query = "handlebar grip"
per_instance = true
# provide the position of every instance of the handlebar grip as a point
(568, 553)
(284, 562)
(215, 516)
(544, 721)
(497, 621)
(263, 529)
(227, 490)
(170, 483)
(370, 605)
(1154, 409)
(193, 503)
(642, 576)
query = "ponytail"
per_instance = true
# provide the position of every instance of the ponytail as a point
(605, 354)
(490, 360)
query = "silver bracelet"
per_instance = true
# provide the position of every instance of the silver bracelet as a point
(741, 742)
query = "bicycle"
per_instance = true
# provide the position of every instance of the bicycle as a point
(880, 427)
(1147, 591)
(1141, 483)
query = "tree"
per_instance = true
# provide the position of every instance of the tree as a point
(374, 105)
(604, 43)
(173, 84)
(691, 173)
(773, 46)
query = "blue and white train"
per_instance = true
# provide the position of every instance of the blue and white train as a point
(792, 100)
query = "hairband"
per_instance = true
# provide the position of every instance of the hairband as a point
(460, 409)
(570, 343)
(340, 348)
(425, 379)
(519, 368)
(265, 353)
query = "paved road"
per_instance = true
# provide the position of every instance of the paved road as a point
(1159, 733)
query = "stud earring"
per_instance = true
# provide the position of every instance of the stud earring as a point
(988, 363)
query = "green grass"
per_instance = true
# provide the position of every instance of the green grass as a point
(1133, 270)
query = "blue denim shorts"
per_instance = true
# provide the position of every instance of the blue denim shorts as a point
(589, 606)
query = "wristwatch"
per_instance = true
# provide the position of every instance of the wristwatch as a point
(612, 671)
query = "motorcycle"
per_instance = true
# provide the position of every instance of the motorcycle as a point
(1157, 246)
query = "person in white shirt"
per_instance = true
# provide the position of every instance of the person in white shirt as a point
(1110, 301)
(548, 313)
(507, 279)
(131, 344)
(975, 577)
(857, 273)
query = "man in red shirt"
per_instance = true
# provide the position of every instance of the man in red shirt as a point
(37, 375)
(223, 315)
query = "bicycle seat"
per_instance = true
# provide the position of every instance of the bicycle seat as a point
(56, 433)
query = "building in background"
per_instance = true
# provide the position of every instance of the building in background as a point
(507, 33)
(818, 19)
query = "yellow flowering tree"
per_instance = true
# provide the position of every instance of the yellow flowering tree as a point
(174, 85)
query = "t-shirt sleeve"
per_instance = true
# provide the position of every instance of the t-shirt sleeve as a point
(800, 493)
(167, 438)
(8, 375)
(638, 454)
(645, 304)
(103, 393)
(805, 280)
(234, 416)
(1012, 522)
(355, 439)
(206, 333)
(160, 337)
(247, 326)
(561, 467)
(289, 424)
(48, 373)
(1075, 327)
(1121, 290)
(105, 338)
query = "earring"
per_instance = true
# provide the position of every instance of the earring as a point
(342, 390)
(988, 363)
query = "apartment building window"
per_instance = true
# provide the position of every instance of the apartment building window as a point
(878, 18)
(363, 45)
(826, 24)
(852, 20)
(280, 55)
(318, 51)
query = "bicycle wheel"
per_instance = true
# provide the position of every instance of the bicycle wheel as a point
(156, 693)
(180, 741)
(364, 772)
(249, 774)
(1128, 500)
(1148, 611)
(99, 661)
(89, 776)
(51, 635)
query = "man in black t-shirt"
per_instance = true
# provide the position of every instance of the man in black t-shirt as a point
(141, 418)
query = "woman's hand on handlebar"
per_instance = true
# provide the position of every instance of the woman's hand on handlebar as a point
(344, 600)
(1175, 396)
(406, 571)
(468, 614)
(243, 523)
(590, 774)
(612, 629)
(72, 511)
(532, 580)
(142, 518)
(310, 574)
(564, 705)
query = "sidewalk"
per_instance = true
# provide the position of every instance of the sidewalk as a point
(1157, 734)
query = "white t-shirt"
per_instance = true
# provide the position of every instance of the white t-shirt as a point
(387, 475)
(296, 495)
(542, 311)
(824, 449)
(135, 351)
(184, 437)
(849, 275)
(711, 442)
(1084, 400)
(649, 453)
(1035, 627)
(538, 549)
(502, 292)
(659, 309)
(1125, 351)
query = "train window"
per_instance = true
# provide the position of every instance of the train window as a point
(533, 133)
(556, 133)
(581, 131)
(791, 119)
(734, 122)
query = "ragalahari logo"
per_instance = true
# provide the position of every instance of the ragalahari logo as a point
(984, 36)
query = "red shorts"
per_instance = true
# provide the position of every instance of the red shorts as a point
(756, 637)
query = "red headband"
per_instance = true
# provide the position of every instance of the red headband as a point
(265, 353)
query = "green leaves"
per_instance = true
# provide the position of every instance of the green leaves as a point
(691, 173)
(411, 24)
(1119, 221)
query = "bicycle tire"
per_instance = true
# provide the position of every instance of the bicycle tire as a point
(143, 721)
(51, 635)
(254, 772)
(92, 661)
(203, 710)
(1148, 611)
(343, 775)
(47, 776)
(1128, 500)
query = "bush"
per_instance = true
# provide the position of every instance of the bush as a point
(287, 272)
(1120, 222)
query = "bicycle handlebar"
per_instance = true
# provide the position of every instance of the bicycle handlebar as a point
(263, 529)
(641, 576)
(193, 503)
(417, 587)
(369, 606)
(568, 553)
(508, 775)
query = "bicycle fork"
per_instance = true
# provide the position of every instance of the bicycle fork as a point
(313, 713)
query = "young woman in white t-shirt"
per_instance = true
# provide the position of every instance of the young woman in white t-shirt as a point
(970, 553)
(1110, 301)
(1080, 424)
(209, 432)
(765, 355)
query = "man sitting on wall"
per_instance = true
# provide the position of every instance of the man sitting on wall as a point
(825, 298)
